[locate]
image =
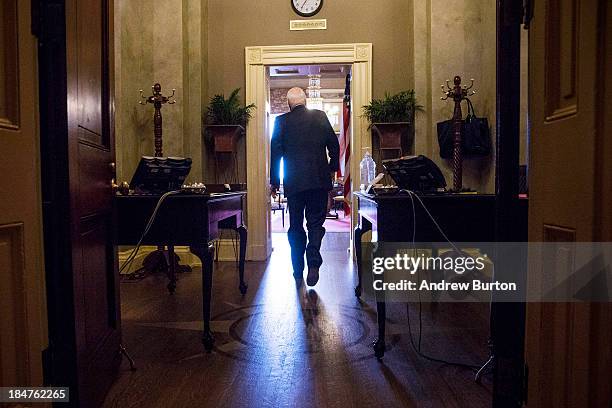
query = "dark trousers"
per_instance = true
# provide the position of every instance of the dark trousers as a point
(313, 204)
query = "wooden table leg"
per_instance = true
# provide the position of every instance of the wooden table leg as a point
(206, 253)
(381, 316)
(381, 307)
(242, 233)
(363, 227)
(358, 254)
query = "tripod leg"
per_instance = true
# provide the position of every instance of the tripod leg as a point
(483, 369)
(124, 353)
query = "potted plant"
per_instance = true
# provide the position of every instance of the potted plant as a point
(391, 117)
(226, 120)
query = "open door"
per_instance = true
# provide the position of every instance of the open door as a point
(91, 154)
(76, 78)
(568, 345)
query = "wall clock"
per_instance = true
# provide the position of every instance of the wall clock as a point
(307, 8)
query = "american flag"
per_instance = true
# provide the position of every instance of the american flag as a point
(345, 145)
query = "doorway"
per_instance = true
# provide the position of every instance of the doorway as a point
(327, 87)
(258, 61)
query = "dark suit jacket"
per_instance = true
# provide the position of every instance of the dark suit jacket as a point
(303, 138)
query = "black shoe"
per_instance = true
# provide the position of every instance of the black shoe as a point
(313, 276)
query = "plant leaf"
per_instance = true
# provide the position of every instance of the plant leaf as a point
(400, 107)
(222, 111)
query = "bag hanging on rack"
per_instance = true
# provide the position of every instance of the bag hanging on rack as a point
(446, 133)
(475, 135)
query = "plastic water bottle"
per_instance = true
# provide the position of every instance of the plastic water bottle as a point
(367, 169)
(363, 171)
(371, 169)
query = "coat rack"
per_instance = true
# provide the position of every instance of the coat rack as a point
(160, 259)
(458, 93)
(157, 100)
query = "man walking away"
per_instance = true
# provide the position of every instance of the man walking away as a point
(304, 138)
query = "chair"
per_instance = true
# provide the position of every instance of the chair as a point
(338, 200)
(279, 205)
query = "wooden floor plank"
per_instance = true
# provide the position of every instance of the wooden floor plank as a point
(282, 346)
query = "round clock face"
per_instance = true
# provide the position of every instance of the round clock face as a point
(307, 8)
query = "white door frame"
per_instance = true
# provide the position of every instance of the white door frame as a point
(257, 141)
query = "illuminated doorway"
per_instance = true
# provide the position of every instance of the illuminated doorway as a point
(327, 87)
(258, 60)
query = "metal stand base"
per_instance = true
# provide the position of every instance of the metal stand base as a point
(124, 353)
(164, 261)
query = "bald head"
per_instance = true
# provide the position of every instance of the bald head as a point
(295, 97)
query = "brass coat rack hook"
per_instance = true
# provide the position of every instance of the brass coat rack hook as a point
(171, 99)
(143, 100)
(471, 84)
(468, 88)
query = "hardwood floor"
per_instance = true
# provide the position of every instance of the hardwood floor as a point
(284, 346)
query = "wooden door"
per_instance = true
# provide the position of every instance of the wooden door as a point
(22, 311)
(76, 79)
(568, 347)
(91, 150)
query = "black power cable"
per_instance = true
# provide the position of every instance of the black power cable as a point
(134, 252)
(417, 348)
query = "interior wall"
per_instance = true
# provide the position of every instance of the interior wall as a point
(164, 44)
(133, 71)
(278, 100)
(236, 24)
(455, 37)
(197, 47)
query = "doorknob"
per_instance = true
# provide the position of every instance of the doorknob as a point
(112, 167)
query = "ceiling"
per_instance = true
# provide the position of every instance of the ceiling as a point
(287, 76)
(327, 70)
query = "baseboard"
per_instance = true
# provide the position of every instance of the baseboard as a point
(225, 248)
(226, 251)
(257, 253)
(137, 263)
